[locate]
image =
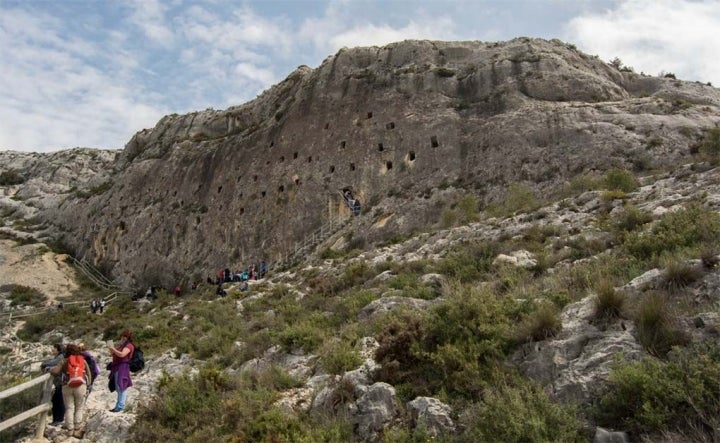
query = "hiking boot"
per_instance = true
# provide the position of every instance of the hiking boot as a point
(78, 433)
(56, 423)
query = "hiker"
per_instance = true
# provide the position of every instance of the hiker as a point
(263, 269)
(102, 306)
(120, 379)
(73, 396)
(244, 286)
(177, 291)
(93, 306)
(92, 364)
(58, 405)
(220, 291)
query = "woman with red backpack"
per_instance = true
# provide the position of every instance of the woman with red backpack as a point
(76, 378)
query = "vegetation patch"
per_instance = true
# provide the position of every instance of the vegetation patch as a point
(679, 395)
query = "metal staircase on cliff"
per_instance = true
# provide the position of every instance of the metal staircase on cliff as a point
(308, 244)
(94, 275)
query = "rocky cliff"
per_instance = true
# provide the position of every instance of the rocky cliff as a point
(410, 127)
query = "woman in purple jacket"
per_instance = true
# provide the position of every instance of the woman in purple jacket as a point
(120, 368)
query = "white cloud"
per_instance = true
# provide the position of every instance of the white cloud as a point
(678, 36)
(149, 16)
(252, 72)
(341, 26)
(53, 97)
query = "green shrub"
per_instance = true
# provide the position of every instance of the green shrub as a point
(608, 302)
(655, 328)
(678, 274)
(619, 180)
(520, 411)
(543, 323)
(329, 253)
(614, 194)
(306, 334)
(26, 296)
(338, 357)
(581, 183)
(710, 146)
(651, 396)
(630, 219)
(470, 262)
(452, 347)
(11, 177)
(518, 198)
(468, 208)
(581, 247)
(689, 227)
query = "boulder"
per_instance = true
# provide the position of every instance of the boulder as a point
(431, 415)
(376, 408)
(392, 303)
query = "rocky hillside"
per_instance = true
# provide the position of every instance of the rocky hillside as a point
(544, 325)
(411, 128)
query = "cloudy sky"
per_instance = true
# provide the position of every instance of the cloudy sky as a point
(91, 73)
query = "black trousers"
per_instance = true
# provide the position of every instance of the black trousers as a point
(58, 405)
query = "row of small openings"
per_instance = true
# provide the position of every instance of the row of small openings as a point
(282, 157)
(332, 167)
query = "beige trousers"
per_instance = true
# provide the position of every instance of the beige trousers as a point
(74, 399)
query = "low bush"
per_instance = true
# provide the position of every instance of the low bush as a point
(468, 263)
(337, 357)
(544, 322)
(687, 228)
(609, 302)
(11, 177)
(307, 333)
(581, 183)
(681, 395)
(516, 410)
(710, 146)
(452, 347)
(655, 326)
(26, 296)
(630, 219)
(678, 274)
(518, 198)
(619, 180)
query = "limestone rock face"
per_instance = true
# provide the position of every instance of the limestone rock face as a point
(579, 359)
(431, 415)
(411, 127)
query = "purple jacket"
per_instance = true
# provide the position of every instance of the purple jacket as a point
(122, 367)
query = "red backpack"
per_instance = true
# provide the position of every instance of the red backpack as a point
(76, 370)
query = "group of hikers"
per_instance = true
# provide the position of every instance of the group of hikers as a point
(251, 272)
(75, 370)
(97, 305)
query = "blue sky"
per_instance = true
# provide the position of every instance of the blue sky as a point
(91, 73)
